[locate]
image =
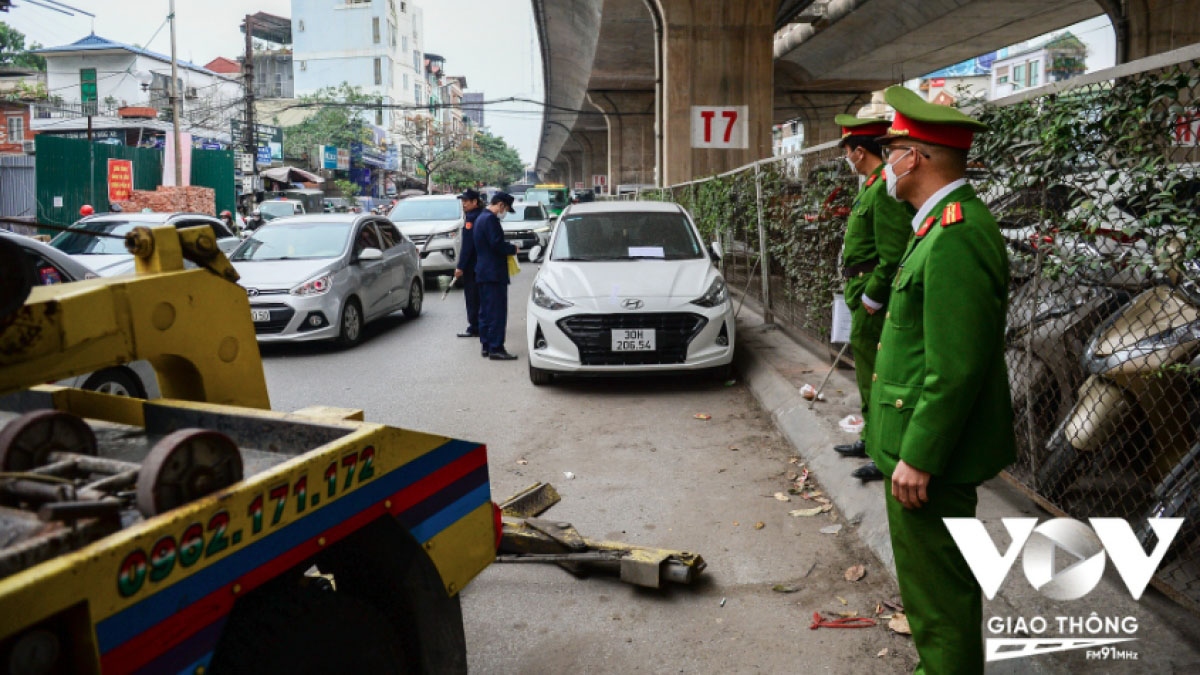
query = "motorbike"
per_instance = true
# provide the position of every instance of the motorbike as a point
(1136, 416)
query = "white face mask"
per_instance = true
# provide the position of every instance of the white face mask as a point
(503, 215)
(891, 179)
(850, 163)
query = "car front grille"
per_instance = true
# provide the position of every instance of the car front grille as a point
(592, 334)
(419, 239)
(280, 316)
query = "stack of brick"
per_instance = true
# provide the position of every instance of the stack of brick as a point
(173, 199)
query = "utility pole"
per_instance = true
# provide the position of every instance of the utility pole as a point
(249, 136)
(175, 103)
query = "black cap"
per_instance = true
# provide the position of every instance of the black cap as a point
(503, 198)
(469, 194)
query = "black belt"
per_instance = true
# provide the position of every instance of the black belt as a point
(860, 269)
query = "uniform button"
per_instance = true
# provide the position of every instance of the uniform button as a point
(874, 376)
(887, 315)
(878, 346)
(899, 403)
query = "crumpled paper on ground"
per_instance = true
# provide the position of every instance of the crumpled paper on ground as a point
(851, 424)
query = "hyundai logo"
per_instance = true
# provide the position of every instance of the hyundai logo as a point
(632, 303)
(252, 292)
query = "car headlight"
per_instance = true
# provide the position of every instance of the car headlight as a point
(547, 299)
(316, 286)
(448, 234)
(716, 294)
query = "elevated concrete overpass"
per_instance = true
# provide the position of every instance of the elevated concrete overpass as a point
(622, 76)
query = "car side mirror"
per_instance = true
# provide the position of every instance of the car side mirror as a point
(369, 254)
(535, 253)
(716, 250)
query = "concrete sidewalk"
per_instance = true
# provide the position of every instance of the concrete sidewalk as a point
(775, 366)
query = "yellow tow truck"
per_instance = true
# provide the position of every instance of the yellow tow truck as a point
(203, 532)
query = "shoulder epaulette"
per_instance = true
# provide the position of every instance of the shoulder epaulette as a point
(468, 225)
(871, 180)
(925, 226)
(952, 214)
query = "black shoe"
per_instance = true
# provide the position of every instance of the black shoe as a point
(469, 333)
(484, 352)
(867, 473)
(855, 449)
(502, 355)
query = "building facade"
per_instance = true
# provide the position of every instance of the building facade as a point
(473, 108)
(1060, 58)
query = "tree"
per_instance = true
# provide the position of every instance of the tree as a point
(339, 124)
(349, 190)
(427, 143)
(508, 162)
(483, 159)
(13, 51)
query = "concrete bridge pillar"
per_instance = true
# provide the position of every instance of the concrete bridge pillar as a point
(595, 154)
(630, 119)
(714, 54)
(575, 159)
(1148, 27)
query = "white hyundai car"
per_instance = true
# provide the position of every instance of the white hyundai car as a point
(628, 287)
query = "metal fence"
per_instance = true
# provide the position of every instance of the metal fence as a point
(17, 186)
(1094, 183)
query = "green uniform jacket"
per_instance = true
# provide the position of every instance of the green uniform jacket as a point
(878, 229)
(940, 399)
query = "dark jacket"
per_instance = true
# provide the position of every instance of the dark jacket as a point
(466, 253)
(491, 251)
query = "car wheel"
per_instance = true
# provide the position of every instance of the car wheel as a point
(115, 381)
(416, 296)
(540, 377)
(722, 373)
(351, 324)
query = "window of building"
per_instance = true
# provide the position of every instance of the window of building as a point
(1018, 76)
(379, 117)
(278, 85)
(403, 7)
(16, 129)
(405, 86)
(304, 65)
(403, 43)
(392, 33)
(378, 71)
(417, 60)
(417, 93)
(1034, 73)
(375, 30)
(300, 26)
(358, 2)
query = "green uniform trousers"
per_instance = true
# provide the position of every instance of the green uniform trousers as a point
(942, 599)
(865, 330)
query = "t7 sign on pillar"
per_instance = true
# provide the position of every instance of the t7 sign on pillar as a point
(720, 127)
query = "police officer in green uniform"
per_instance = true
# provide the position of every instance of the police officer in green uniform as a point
(877, 233)
(941, 413)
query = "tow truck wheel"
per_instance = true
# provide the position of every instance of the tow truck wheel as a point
(351, 324)
(27, 441)
(185, 466)
(289, 629)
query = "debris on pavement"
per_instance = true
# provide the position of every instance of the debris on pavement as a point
(899, 624)
(568, 475)
(530, 502)
(702, 416)
(791, 475)
(759, 525)
(855, 572)
(894, 604)
(794, 460)
(722, 602)
(851, 424)
(808, 513)
(845, 622)
(782, 497)
(841, 600)
(785, 588)
(522, 461)
(882, 653)
(831, 529)
(734, 448)
(810, 393)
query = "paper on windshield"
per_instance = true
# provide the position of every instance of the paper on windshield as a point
(646, 252)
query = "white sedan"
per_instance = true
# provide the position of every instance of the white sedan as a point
(628, 287)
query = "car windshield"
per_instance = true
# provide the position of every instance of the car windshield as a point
(294, 241)
(78, 243)
(426, 209)
(625, 236)
(272, 210)
(524, 212)
(553, 198)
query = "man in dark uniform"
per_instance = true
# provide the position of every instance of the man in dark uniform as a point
(491, 276)
(877, 233)
(941, 412)
(465, 270)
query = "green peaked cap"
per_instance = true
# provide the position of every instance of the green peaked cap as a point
(852, 122)
(910, 104)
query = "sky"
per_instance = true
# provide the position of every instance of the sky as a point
(490, 42)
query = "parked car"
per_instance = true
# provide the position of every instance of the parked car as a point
(52, 266)
(628, 287)
(435, 224)
(271, 209)
(106, 255)
(528, 224)
(324, 276)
